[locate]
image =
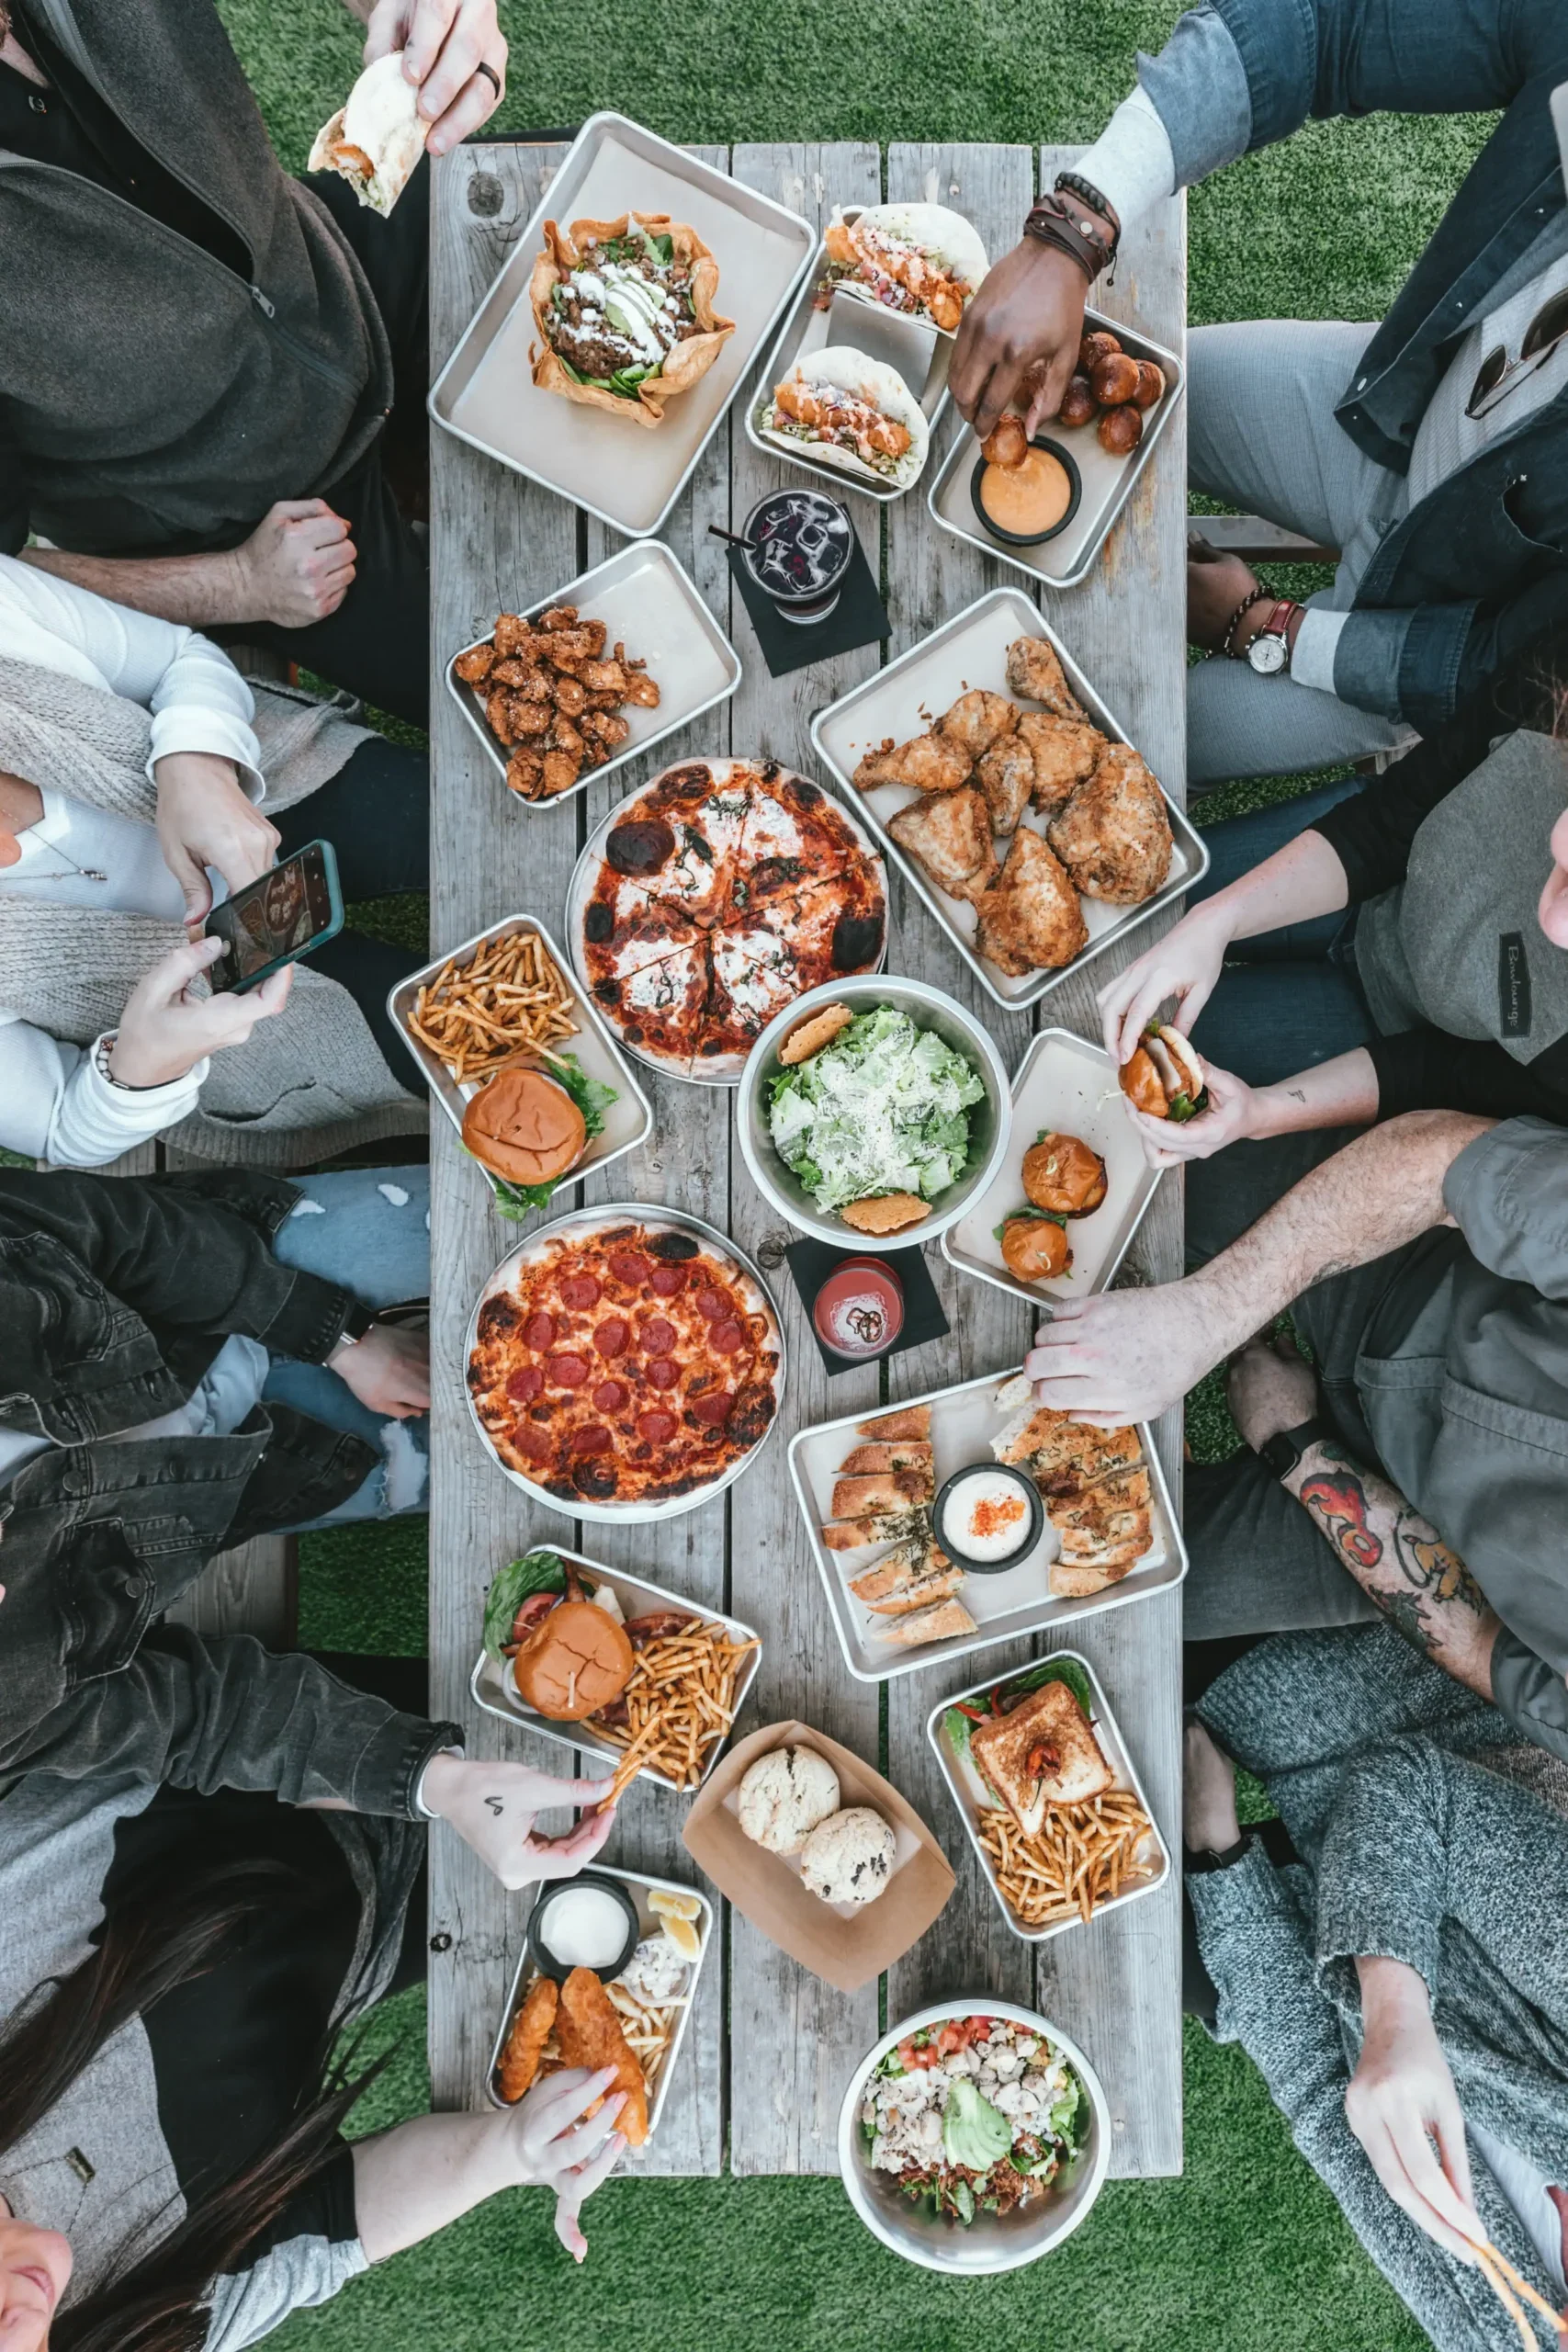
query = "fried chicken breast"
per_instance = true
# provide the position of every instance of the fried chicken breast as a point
(932, 763)
(976, 720)
(589, 2034)
(1006, 776)
(949, 836)
(1034, 669)
(1113, 836)
(1029, 918)
(1064, 752)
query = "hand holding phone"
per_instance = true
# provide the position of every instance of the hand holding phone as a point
(164, 1031)
(272, 923)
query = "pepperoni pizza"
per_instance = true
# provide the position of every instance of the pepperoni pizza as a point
(625, 1363)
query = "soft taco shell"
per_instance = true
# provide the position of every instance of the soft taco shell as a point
(686, 364)
(946, 235)
(868, 380)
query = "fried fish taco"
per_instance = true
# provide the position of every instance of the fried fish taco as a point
(920, 259)
(850, 411)
(375, 141)
(625, 313)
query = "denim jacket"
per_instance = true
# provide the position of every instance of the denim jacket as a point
(115, 1296)
(1479, 566)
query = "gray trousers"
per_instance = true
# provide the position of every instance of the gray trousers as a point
(1262, 435)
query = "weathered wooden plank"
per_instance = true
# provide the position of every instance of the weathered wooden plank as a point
(793, 2039)
(496, 542)
(1117, 1985)
(970, 1946)
(252, 1589)
(1261, 541)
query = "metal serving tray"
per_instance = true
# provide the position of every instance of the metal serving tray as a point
(1003, 1606)
(627, 474)
(969, 1795)
(1065, 1084)
(493, 1688)
(628, 1120)
(1108, 482)
(639, 1887)
(902, 700)
(919, 351)
(649, 602)
(580, 1223)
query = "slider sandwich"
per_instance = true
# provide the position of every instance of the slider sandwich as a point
(375, 141)
(1165, 1077)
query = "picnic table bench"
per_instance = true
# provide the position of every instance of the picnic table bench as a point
(770, 2047)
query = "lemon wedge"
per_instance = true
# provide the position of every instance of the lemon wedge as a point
(678, 1915)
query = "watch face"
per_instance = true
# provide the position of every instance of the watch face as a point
(1267, 653)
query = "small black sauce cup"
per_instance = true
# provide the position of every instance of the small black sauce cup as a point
(1035, 1524)
(546, 1960)
(1069, 465)
(801, 546)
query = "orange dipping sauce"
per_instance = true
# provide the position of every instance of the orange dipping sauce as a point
(1028, 499)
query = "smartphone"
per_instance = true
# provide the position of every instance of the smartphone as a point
(274, 922)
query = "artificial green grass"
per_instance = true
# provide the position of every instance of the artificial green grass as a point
(1246, 2249)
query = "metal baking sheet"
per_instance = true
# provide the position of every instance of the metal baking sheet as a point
(1004, 1606)
(649, 602)
(493, 1688)
(920, 354)
(1108, 482)
(639, 1888)
(627, 474)
(969, 1793)
(904, 698)
(629, 1121)
(579, 1224)
(1063, 1084)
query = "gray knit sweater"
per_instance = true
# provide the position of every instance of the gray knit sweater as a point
(311, 1082)
(1429, 1836)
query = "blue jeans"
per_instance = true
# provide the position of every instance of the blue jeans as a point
(369, 1230)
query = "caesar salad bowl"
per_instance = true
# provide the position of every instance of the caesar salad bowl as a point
(989, 1115)
(991, 2242)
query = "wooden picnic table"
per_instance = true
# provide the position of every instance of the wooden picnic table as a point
(762, 2080)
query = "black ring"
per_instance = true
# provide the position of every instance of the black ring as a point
(492, 76)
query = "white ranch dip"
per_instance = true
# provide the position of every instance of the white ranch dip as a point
(584, 1926)
(985, 1516)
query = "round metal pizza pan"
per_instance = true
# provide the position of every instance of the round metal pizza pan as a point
(582, 1224)
(726, 1070)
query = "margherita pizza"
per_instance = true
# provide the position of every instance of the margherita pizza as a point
(723, 892)
(625, 1364)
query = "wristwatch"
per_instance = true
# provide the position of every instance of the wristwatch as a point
(1280, 1454)
(358, 1319)
(1198, 1864)
(1270, 651)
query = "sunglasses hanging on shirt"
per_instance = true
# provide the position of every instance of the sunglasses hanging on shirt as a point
(1498, 375)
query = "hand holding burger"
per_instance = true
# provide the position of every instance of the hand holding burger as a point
(1232, 1110)
(1164, 1078)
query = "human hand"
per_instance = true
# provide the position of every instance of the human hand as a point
(1209, 1822)
(1236, 1109)
(1126, 1356)
(1402, 2098)
(1186, 964)
(1216, 583)
(1030, 307)
(1270, 1387)
(297, 566)
(388, 1370)
(164, 1031)
(204, 819)
(554, 2149)
(445, 43)
(492, 1808)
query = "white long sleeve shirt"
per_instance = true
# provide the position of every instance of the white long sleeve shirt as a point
(55, 1103)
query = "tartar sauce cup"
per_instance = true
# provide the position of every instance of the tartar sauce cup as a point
(561, 1943)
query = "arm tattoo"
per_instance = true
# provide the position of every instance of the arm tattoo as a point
(1338, 1499)
(496, 1807)
(1429, 1566)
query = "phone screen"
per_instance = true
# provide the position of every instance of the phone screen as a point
(272, 920)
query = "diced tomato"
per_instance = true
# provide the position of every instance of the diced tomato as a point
(663, 1372)
(658, 1336)
(525, 1385)
(610, 1396)
(656, 1428)
(580, 1292)
(612, 1336)
(713, 1408)
(668, 1282)
(569, 1372)
(726, 1339)
(539, 1331)
(916, 2058)
(713, 1306)
(629, 1268)
(953, 2035)
(595, 1438)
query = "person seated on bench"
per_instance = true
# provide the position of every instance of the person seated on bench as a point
(212, 376)
(1401, 1982)
(1405, 947)
(1432, 451)
(135, 764)
(189, 1926)
(1441, 1371)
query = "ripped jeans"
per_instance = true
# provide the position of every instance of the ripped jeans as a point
(368, 1229)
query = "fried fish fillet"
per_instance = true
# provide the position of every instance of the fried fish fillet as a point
(1029, 918)
(531, 2029)
(1034, 669)
(950, 836)
(1006, 776)
(1064, 752)
(1113, 836)
(976, 720)
(932, 763)
(588, 2033)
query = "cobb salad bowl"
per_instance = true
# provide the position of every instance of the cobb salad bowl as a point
(922, 2227)
(989, 1112)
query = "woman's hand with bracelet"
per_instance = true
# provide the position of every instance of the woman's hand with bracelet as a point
(1186, 964)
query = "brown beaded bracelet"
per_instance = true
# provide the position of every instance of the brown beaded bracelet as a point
(1053, 222)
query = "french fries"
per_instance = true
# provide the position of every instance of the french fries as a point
(1084, 1855)
(509, 1000)
(681, 1697)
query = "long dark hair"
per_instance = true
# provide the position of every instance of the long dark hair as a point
(164, 1933)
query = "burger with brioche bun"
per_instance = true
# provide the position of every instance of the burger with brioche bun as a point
(1165, 1077)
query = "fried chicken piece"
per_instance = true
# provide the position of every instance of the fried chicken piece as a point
(604, 677)
(1113, 836)
(498, 715)
(1034, 669)
(588, 2033)
(565, 737)
(642, 692)
(1064, 752)
(950, 836)
(978, 719)
(512, 633)
(1006, 776)
(531, 2029)
(570, 697)
(474, 666)
(562, 771)
(932, 763)
(569, 648)
(514, 670)
(604, 726)
(1029, 918)
(528, 717)
(525, 772)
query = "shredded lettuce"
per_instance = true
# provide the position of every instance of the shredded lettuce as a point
(884, 1108)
